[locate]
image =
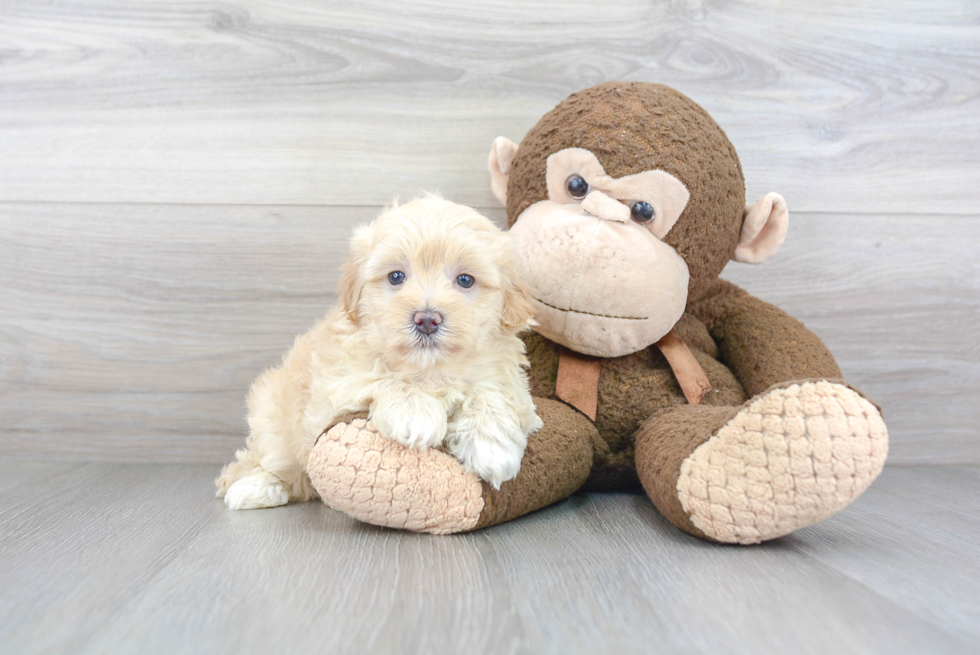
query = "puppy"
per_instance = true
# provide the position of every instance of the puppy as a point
(425, 338)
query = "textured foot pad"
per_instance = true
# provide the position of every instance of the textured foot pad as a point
(791, 458)
(373, 479)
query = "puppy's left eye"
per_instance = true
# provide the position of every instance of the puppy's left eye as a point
(396, 277)
(465, 281)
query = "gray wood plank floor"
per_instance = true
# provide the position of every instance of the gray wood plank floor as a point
(116, 558)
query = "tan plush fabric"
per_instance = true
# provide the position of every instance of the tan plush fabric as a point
(766, 222)
(602, 287)
(662, 190)
(792, 457)
(375, 480)
(501, 156)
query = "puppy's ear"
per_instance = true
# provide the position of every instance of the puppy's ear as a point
(518, 309)
(352, 275)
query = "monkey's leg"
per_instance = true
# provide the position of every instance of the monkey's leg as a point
(789, 457)
(376, 480)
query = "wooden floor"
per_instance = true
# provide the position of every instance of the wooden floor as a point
(117, 558)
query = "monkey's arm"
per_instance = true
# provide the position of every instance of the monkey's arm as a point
(373, 479)
(760, 343)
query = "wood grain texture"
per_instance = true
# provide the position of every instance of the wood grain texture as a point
(132, 332)
(78, 544)
(103, 558)
(841, 107)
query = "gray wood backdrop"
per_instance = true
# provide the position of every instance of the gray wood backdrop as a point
(178, 180)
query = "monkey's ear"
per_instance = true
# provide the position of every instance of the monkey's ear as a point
(763, 229)
(502, 154)
(352, 274)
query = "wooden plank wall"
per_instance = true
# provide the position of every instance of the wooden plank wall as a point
(178, 180)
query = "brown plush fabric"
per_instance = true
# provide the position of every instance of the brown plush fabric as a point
(635, 126)
(644, 425)
(662, 444)
(556, 463)
(760, 343)
(631, 389)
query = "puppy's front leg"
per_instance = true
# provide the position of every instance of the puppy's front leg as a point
(488, 437)
(408, 415)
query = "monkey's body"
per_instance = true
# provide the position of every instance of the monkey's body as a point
(634, 389)
(779, 442)
(644, 427)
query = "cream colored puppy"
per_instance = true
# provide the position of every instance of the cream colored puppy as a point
(425, 338)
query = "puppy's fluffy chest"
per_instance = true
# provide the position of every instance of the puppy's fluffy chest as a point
(356, 391)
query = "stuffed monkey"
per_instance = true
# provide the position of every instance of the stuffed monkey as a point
(625, 202)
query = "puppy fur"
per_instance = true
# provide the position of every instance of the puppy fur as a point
(464, 386)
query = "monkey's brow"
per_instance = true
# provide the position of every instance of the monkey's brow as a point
(579, 311)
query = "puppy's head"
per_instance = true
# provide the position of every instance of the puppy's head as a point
(431, 280)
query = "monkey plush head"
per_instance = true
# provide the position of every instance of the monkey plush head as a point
(625, 202)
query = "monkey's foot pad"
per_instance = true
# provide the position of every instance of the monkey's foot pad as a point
(376, 480)
(790, 458)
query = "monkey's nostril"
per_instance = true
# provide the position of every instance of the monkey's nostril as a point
(427, 322)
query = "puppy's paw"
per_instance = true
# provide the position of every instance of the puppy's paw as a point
(256, 491)
(491, 450)
(416, 421)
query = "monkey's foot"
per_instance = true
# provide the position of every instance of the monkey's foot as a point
(373, 479)
(790, 457)
(376, 480)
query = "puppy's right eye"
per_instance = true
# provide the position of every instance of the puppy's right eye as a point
(396, 277)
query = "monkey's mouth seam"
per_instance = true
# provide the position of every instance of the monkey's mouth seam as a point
(579, 311)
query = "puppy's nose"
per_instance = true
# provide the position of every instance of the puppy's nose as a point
(427, 322)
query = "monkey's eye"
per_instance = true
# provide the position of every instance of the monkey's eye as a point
(642, 212)
(576, 186)
(465, 281)
(396, 277)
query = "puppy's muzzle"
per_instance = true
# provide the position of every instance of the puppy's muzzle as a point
(427, 322)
